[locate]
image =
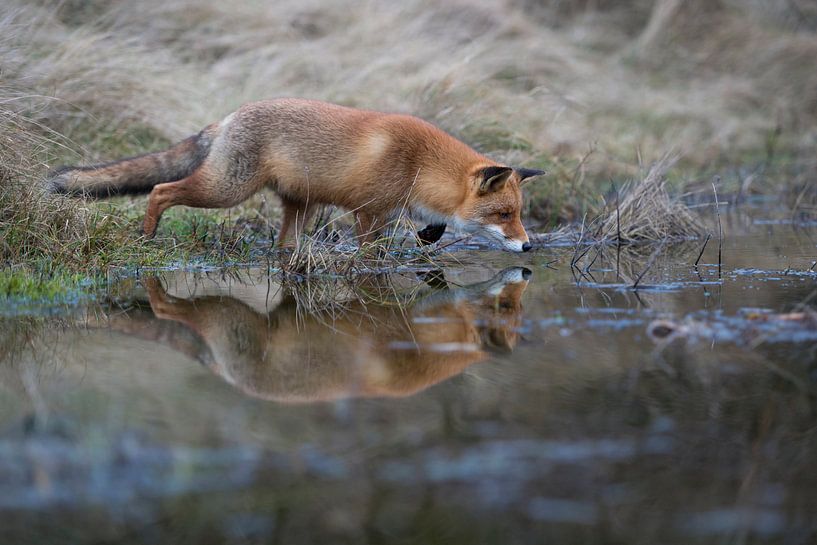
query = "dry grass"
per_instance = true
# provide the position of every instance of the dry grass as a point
(332, 248)
(639, 212)
(524, 81)
(36, 226)
(645, 211)
(46, 239)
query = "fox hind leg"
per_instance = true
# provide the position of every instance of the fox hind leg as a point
(190, 191)
(162, 304)
(205, 188)
(162, 197)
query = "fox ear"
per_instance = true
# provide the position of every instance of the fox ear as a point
(494, 178)
(526, 173)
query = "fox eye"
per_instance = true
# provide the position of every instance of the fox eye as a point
(504, 216)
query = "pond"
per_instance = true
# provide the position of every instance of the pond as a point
(505, 399)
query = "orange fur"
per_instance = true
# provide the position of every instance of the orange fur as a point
(312, 153)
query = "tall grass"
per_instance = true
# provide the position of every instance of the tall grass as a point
(523, 80)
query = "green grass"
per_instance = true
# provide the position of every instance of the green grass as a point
(34, 287)
(48, 240)
(29, 289)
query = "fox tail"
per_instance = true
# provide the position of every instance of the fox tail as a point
(133, 175)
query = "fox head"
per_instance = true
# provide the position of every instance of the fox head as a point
(493, 207)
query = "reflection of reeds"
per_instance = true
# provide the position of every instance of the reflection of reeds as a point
(17, 335)
(331, 299)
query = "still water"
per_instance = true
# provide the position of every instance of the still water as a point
(505, 399)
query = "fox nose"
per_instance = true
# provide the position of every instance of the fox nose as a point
(526, 246)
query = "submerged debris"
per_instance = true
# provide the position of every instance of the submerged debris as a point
(750, 326)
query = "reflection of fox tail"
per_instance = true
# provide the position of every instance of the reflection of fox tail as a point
(134, 175)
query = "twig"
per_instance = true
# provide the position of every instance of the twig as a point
(598, 252)
(444, 246)
(578, 244)
(595, 239)
(618, 234)
(708, 236)
(720, 226)
(587, 249)
(618, 218)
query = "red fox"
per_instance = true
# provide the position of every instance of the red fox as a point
(311, 153)
(368, 350)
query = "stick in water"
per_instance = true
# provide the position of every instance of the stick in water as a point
(720, 227)
(706, 241)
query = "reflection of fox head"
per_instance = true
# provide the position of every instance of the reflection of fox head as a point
(501, 329)
(370, 350)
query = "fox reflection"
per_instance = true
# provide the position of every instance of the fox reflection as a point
(367, 351)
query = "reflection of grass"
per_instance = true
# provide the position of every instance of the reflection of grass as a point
(31, 287)
(262, 485)
(691, 420)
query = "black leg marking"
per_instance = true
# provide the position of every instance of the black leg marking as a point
(431, 234)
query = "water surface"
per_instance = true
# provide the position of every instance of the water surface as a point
(508, 399)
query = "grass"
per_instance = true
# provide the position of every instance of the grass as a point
(728, 88)
(21, 284)
(645, 212)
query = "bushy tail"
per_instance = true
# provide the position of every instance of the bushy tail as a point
(133, 175)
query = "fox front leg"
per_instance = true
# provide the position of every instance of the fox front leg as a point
(431, 234)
